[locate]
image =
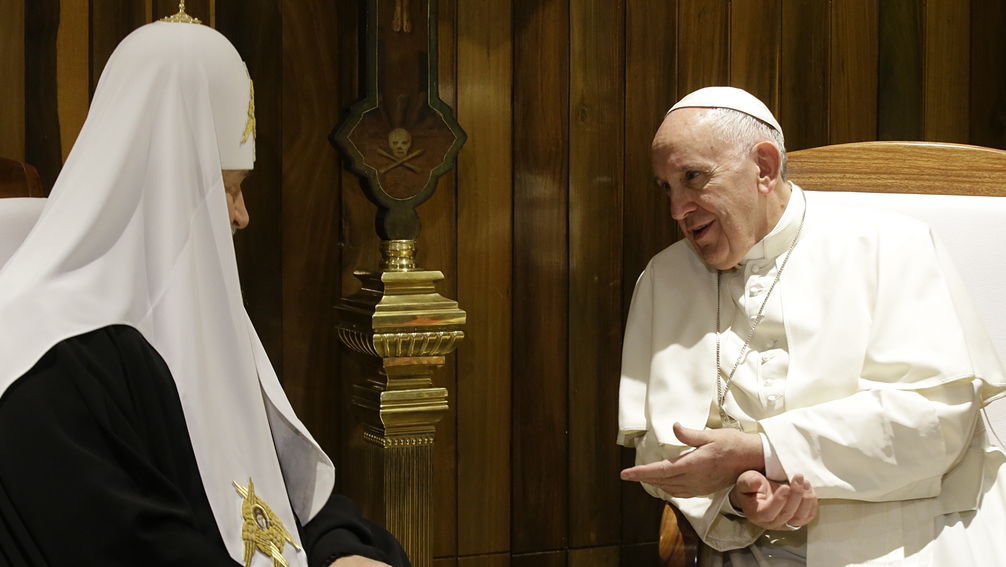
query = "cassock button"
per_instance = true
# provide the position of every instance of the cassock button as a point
(756, 291)
(756, 269)
(774, 397)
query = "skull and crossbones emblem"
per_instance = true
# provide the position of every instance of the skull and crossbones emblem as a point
(400, 142)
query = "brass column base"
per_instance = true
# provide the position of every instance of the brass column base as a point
(401, 329)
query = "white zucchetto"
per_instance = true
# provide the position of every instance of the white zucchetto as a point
(729, 97)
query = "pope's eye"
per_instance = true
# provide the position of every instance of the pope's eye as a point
(692, 175)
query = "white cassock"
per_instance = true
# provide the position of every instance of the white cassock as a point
(866, 375)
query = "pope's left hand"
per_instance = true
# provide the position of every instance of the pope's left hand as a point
(719, 457)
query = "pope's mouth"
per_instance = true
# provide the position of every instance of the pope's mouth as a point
(700, 230)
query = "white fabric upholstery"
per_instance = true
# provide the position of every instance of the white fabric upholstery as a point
(973, 229)
(17, 217)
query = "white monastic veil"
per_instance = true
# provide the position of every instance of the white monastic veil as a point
(136, 232)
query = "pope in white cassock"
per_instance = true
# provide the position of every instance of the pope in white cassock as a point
(141, 422)
(804, 382)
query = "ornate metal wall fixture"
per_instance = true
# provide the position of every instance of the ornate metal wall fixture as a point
(400, 139)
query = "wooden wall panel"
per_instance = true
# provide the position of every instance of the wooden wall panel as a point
(647, 226)
(988, 73)
(650, 90)
(547, 559)
(703, 44)
(42, 146)
(853, 71)
(540, 272)
(484, 259)
(498, 560)
(12, 88)
(72, 71)
(594, 557)
(437, 252)
(255, 29)
(803, 106)
(755, 43)
(596, 107)
(900, 56)
(111, 20)
(947, 70)
(310, 217)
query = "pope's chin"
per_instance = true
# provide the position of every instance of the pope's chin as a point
(713, 255)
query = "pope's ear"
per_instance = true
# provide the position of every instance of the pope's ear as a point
(768, 159)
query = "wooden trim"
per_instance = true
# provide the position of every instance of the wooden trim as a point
(901, 167)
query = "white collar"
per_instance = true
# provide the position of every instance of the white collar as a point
(779, 238)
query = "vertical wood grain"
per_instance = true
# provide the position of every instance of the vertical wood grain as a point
(497, 560)
(594, 557)
(111, 21)
(12, 88)
(650, 89)
(540, 272)
(255, 29)
(310, 217)
(438, 251)
(853, 76)
(755, 44)
(988, 73)
(484, 259)
(72, 71)
(596, 105)
(900, 103)
(546, 559)
(42, 147)
(703, 44)
(803, 105)
(947, 71)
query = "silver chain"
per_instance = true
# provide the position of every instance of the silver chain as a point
(722, 386)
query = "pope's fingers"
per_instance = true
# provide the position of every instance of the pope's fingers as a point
(690, 437)
(807, 510)
(648, 472)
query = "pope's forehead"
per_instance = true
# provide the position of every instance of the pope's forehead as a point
(682, 122)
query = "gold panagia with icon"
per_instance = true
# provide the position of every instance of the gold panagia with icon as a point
(262, 529)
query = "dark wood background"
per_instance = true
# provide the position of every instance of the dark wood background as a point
(548, 218)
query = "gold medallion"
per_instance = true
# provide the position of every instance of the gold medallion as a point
(262, 529)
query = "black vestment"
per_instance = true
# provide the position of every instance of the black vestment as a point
(96, 468)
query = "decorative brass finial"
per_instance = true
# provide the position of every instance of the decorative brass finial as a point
(181, 17)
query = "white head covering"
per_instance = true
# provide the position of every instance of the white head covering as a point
(729, 97)
(136, 232)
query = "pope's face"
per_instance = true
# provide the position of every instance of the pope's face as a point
(235, 199)
(713, 187)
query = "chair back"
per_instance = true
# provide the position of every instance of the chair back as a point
(19, 179)
(957, 189)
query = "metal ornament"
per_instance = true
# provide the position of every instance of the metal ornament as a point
(402, 137)
(181, 17)
(262, 529)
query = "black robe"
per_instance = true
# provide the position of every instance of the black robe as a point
(96, 468)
